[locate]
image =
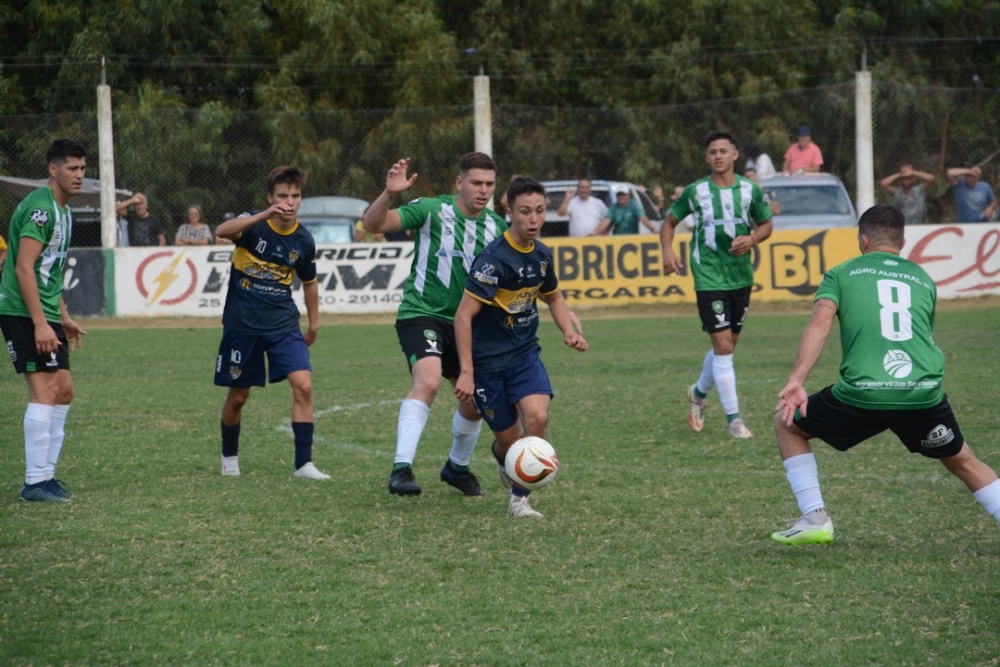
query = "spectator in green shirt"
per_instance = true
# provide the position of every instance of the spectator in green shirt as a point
(624, 215)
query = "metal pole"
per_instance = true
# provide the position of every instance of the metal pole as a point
(864, 153)
(483, 116)
(106, 149)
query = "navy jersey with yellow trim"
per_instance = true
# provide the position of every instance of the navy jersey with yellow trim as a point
(508, 278)
(265, 263)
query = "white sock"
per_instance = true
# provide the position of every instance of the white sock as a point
(413, 416)
(707, 379)
(989, 498)
(465, 434)
(37, 422)
(725, 377)
(57, 433)
(803, 477)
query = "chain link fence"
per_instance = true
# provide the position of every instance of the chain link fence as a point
(219, 159)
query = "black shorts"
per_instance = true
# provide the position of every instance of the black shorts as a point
(723, 310)
(933, 432)
(19, 332)
(421, 337)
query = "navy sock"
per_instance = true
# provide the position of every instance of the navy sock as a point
(303, 443)
(230, 439)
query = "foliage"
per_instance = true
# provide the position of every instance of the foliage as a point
(654, 548)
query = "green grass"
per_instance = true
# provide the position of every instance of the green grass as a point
(655, 548)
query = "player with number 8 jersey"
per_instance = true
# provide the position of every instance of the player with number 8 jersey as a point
(902, 368)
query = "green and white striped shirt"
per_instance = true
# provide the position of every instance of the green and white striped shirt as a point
(446, 243)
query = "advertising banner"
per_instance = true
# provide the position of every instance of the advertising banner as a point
(964, 260)
(353, 278)
(83, 282)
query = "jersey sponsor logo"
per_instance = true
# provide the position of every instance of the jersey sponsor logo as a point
(486, 275)
(939, 436)
(52, 362)
(218, 364)
(897, 364)
(891, 262)
(432, 342)
(40, 217)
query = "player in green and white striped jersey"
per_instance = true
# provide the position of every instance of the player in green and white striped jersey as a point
(36, 325)
(731, 217)
(449, 231)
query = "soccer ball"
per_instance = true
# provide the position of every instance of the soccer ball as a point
(531, 462)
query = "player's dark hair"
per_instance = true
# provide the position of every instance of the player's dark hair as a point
(287, 174)
(715, 135)
(62, 150)
(523, 185)
(476, 161)
(883, 223)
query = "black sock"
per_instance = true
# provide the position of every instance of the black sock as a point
(230, 439)
(303, 443)
(493, 449)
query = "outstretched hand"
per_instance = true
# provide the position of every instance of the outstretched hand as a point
(793, 397)
(397, 181)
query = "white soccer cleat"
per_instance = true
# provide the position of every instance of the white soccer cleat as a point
(696, 411)
(520, 508)
(804, 532)
(309, 471)
(230, 466)
(505, 479)
(738, 429)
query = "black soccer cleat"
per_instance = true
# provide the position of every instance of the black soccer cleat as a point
(464, 481)
(402, 482)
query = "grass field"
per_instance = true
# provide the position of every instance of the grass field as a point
(654, 549)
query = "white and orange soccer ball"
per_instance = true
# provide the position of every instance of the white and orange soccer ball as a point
(531, 462)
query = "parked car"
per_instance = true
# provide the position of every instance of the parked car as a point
(558, 225)
(810, 201)
(332, 219)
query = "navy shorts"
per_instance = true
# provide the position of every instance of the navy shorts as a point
(421, 337)
(241, 358)
(497, 393)
(932, 432)
(19, 333)
(724, 309)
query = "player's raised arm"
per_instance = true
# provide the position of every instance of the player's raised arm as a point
(378, 218)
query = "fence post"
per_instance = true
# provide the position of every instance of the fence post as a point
(106, 148)
(863, 141)
(483, 120)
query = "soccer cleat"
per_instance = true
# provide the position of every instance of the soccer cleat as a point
(403, 483)
(309, 471)
(738, 429)
(520, 508)
(58, 487)
(44, 492)
(696, 410)
(505, 479)
(465, 481)
(230, 466)
(804, 531)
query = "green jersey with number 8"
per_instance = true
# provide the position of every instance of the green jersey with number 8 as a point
(886, 308)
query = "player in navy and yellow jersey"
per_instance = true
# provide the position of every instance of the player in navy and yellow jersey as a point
(260, 317)
(496, 328)
(890, 376)
(36, 325)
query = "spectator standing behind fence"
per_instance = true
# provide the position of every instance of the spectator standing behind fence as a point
(194, 231)
(770, 196)
(3, 254)
(974, 199)
(624, 215)
(143, 229)
(803, 156)
(585, 212)
(759, 161)
(909, 196)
